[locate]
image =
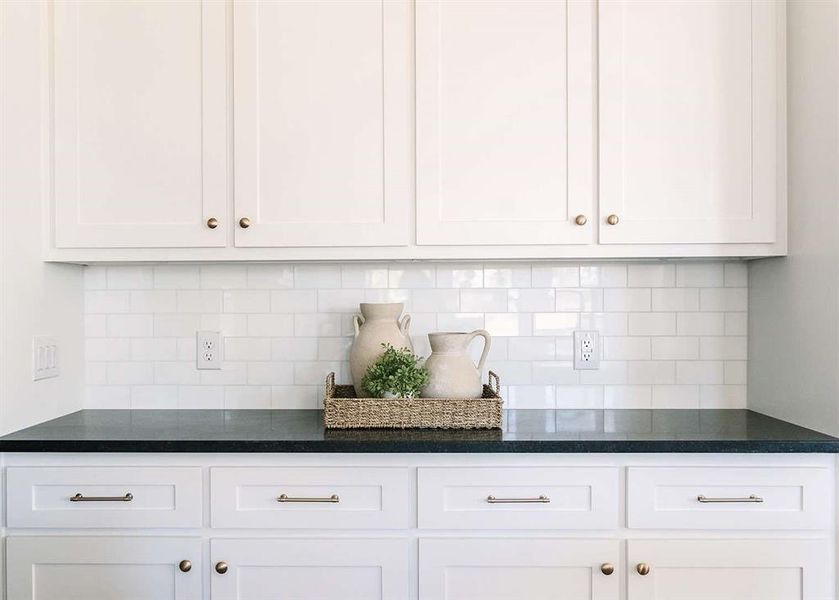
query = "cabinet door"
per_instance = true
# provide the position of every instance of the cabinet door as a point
(688, 120)
(102, 568)
(326, 569)
(323, 119)
(140, 153)
(776, 569)
(504, 122)
(513, 569)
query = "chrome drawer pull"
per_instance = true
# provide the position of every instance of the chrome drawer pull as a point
(750, 499)
(539, 500)
(334, 499)
(79, 498)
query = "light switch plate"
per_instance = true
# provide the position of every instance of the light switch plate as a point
(44, 357)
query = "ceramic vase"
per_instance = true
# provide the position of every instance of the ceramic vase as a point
(452, 374)
(375, 325)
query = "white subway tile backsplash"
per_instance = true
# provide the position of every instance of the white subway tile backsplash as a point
(472, 300)
(224, 277)
(201, 301)
(627, 396)
(436, 301)
(270, 277)
(176, 277)
(602, 276)
(532, 300)
(460, 276)
(555, 277)
(673, 335)
(505, 276)
(652, 276)
(153, 301)
(700, 275)
(652, 323)
(626, 300)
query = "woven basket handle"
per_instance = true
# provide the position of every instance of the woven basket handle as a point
(497, 386)
(330, 385)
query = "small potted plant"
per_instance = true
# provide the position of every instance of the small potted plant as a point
(396, 374)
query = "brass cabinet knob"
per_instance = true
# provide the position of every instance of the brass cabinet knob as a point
(612, 219)
(607, 568)
(185, 566)
(221, 568)
(212, 222)
(581, 220)
(642, 568)
(244, 222)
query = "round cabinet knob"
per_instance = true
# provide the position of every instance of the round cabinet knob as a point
(244, 222)
(643, 568)
(612, 219)
(607, 568)
(221, 568)
(185, 566)
(581, 220)
(212, 222)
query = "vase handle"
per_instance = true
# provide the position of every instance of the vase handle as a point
(404, 324)
(357, 322)
(487, 342)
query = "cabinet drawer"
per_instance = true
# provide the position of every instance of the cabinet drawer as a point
(317, 498)
(104, 497)
(518, 498)
(728, 497)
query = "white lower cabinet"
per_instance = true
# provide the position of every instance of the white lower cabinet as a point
(103, 568)
(514, 569)
(765, 569)
(322, 569)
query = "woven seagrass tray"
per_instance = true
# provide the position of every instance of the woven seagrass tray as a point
(342, 410)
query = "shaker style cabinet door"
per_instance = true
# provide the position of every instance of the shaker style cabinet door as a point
(515, 569)
(504, 122)
(103, 568)
(768, 569)
(326, 569)
(139, 124)
(690, 101)
(323, 122)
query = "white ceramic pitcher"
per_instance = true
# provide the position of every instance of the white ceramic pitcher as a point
(452, 374)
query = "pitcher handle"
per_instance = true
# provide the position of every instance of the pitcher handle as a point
(357, 322)
(487, 342)
(404, 324)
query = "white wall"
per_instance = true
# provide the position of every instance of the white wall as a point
(794, 301)
(674, 335)
(35, 298)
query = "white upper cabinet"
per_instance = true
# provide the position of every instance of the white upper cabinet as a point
(323, 122)
(689, 98)
(140, 142)
(504, 122)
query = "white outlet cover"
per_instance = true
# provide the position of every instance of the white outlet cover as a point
(44, 357)
(208, 350)
(586, 350)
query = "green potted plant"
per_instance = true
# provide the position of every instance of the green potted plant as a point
(396, 374)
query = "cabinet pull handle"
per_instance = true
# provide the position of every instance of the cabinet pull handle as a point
(212, 222)
(221, 567)
(750, 499)
(244, 222)
(540, 500)
(607, 568)
(643, 568)
(79, 498)
(185, 566)
(333, 499)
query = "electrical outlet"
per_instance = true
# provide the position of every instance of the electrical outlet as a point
(586, 350)
(208, 350)
(44, 357)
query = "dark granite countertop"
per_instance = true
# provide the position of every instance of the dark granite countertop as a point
(558, 431)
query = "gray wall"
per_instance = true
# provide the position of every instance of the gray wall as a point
(794, 301)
